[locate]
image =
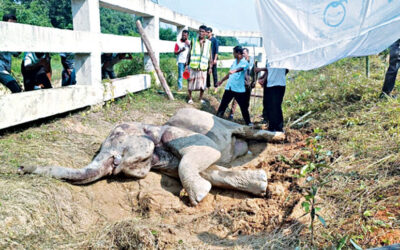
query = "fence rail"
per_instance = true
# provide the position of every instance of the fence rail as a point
(87, 42)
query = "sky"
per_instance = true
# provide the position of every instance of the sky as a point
(222, 14)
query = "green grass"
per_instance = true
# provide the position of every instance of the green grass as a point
(362, 131)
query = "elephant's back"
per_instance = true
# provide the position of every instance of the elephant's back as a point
(218, 130)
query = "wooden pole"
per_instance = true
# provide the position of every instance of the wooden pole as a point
(154, 60)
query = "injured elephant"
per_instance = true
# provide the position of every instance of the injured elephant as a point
(189, 147)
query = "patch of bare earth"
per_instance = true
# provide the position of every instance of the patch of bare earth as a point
(149, 213)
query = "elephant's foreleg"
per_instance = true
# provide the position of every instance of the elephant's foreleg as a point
(94, 171)
(194, 160)
(251, 181)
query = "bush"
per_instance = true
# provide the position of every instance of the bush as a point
(130, 67)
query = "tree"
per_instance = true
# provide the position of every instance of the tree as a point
(227, 41)
(168, 34)
(118, 23)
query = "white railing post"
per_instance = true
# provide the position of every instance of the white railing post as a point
(151, 26)
(86, 17)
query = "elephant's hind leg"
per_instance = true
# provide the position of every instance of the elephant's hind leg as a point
(251, 181)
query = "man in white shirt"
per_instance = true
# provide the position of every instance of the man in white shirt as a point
(274, 83)
(181, 50)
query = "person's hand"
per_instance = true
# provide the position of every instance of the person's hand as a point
(257, 70)
(69, 71)
(210, 71)
(183, 49)
(219, 83)
(232, 72)
(261, 81)
(215, 62)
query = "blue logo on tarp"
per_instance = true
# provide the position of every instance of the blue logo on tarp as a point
(335, 12)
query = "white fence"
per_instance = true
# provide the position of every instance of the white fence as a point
(87, 42)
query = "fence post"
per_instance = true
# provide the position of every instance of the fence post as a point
(86, 17)
(367, 66)
(151, 26)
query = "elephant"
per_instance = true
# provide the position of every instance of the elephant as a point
(193, 145)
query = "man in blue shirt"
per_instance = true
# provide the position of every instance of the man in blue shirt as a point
(5, 63)
(235, 88)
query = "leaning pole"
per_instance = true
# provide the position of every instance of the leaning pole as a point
(154, 60)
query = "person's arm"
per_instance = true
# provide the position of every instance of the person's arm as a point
(263, 79)
(177, 50)
(30, 65)
(189, 55)
(220, 82)
(257, 70)
(236, 70)
(216, 51)
(210, 62)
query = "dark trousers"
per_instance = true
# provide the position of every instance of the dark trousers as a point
(394, 65)
(272, 103)
(67, 79)
(35, 77)
(9, 81)
(107, 74)
(215, 76)
(240, 98)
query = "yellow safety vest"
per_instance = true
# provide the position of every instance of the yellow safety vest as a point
(199, 59)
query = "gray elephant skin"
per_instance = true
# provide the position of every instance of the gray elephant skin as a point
(191, 146)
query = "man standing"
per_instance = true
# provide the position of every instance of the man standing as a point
(214, 58)
(394, 65)
(199, 60)
(248, 83)
(5, 63)
(235, 88)
(274, 83)
(181, 51)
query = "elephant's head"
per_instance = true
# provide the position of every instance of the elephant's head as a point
(135, 158)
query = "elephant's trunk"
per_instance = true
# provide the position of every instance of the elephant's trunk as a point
(92, 172)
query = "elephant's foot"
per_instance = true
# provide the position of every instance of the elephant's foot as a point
(197, 190)
(251, 181)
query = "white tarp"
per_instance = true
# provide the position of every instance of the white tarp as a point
(307, 34)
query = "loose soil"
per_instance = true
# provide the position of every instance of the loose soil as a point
(153, 212)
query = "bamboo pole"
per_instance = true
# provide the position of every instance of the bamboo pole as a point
(154, 60)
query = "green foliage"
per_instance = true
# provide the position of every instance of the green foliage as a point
(130, 67)
(227, 41)
(168, 34)
(170, 69)
(117, 23)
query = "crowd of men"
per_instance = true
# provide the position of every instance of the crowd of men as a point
(199, 58)
(36, 67)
